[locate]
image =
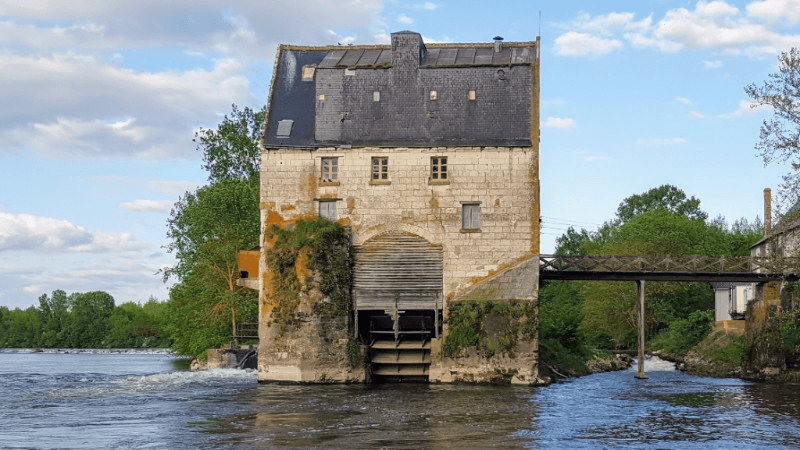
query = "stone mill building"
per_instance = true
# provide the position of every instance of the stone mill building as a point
(428, 155)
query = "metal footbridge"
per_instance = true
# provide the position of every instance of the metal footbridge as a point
(748, 269)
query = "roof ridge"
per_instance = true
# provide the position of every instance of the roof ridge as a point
(388, 46)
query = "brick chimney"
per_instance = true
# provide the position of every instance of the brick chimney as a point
(767, 212)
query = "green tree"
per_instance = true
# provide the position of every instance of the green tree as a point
(54, 313)
(665, 197)
(779, 140)
(23, 328)
(207, 228)
(659, 222)
(572, 243)
(231, 151)
(138, 326)
(89, 318)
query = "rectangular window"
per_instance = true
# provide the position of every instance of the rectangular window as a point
(330, 169)
(471, 216)
(439, 168)
(376, 96)
(380, 168)
(471, 95)
(434, 96)
(327, 209)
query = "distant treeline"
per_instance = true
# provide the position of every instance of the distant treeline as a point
(85, 320)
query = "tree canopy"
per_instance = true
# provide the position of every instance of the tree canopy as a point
(661, 221)
(84, 320)
(779, 139)
(231, 151)
(665, 197)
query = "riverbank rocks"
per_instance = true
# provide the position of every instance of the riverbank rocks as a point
(218, 358)
(600, 364)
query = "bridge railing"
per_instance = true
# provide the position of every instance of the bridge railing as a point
(696, 264)
(246, 330)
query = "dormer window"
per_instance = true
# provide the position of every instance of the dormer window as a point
(308, 72)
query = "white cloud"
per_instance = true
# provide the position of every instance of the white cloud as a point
(660, 142)
(712, 64)
(715, 25)
(560, 123)
(25, 231)
(38, 234)
(583, 44)
(64, 68)
(430, 6)
(404, 19)
(148, 205)
(683, 101)
(69, 105)
(776, 11)
(609, 24)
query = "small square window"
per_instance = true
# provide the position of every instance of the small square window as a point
(327, 209)
(308, 73)
(330, 169)
(321, 97)
(471, 95)
(376, 96)
(471, 216)
(433, 96)
(380, 168)
(439, 168)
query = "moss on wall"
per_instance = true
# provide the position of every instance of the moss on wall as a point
(311, 254)
(490, 326)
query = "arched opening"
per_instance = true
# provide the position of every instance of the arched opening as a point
(397, 295)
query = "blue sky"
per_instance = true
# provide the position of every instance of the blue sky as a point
(100, 101)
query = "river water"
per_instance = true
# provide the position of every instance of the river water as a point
(88, 401)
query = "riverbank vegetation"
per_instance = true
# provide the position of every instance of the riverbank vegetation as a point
(206, 230)
(581, 320)
(85, 320)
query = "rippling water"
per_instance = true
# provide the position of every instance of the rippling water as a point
(140, 401)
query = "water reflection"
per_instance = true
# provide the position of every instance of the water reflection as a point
(614, 410)
(399, 415)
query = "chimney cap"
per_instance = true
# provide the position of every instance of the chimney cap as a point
(497, 38)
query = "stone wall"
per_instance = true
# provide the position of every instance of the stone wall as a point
(500, 315)
(766, 358)
(305, 330)
(503, 180)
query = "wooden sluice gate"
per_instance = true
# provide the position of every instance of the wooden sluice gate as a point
(400, 347)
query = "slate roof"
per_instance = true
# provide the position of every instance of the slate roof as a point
(434, 57)
(336, 107)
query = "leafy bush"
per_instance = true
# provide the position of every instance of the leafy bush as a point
(684, 334)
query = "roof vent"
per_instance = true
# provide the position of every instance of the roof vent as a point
(498, 44)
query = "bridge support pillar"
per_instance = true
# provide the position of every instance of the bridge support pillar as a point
(640, 372)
